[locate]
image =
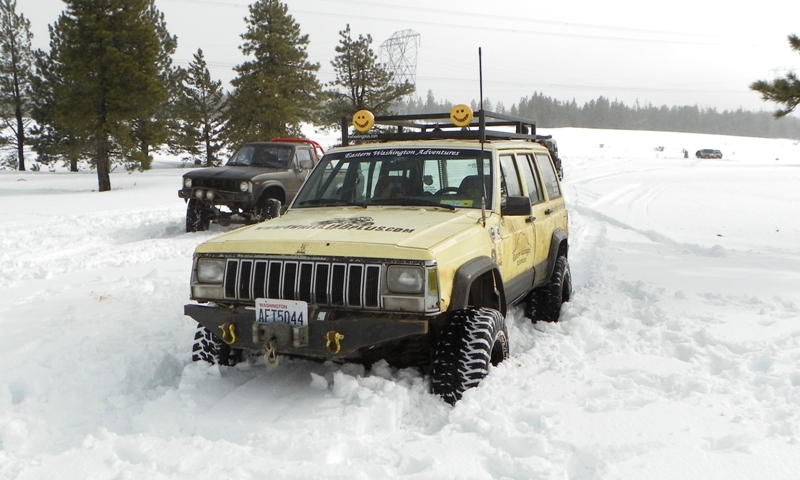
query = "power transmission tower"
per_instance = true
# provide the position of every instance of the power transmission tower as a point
(399, 55)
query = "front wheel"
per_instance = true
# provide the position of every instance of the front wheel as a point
(267, 209)
(211, 349)
(196, 218)
(471, 340)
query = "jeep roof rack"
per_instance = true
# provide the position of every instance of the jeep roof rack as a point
(438, 126)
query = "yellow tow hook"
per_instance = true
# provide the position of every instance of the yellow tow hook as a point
(332, 341)
(228, 333)
(271, 358)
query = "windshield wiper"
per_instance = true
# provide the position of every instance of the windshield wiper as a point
(411, 201)
(331, 202)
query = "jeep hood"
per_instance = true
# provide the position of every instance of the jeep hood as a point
(232, 173)
(375, 232)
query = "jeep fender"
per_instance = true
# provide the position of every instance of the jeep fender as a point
(558, 246)
(270, 185)
(465, 278)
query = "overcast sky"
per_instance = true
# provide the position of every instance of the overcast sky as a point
(677, 52)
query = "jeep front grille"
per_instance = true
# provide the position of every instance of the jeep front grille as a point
(346, 285)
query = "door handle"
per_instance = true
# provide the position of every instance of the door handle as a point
(530, 219)
(548, 211)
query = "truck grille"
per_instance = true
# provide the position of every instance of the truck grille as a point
(217, 184)
(346, 285)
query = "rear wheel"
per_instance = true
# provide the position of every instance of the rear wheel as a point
(211, 349)
(196, 218)
(471, 340)
(544, 303)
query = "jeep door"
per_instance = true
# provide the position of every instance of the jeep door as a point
(550, 211)
(539, 209)
(296, 174)
(516, 232)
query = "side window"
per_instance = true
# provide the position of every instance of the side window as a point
(302, 154)
(548, 175)
(510, 186)
(531, 178)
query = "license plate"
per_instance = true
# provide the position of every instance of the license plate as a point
(293, 312)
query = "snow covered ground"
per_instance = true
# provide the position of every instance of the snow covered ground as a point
(677, 358)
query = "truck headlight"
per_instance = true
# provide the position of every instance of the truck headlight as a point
(404, 279)
(210, 270)
(187, 182)
(210, 195)
(244, 187)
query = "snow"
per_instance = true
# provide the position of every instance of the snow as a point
(676, 358)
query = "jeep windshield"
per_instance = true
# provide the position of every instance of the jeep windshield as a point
(261, 155)
(438, 177)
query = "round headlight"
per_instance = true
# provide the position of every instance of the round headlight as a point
(198, 193)
(244, 187)
(210, 195)
(187, 182)
(402, 279)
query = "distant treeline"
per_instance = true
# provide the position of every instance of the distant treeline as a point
(603, 113)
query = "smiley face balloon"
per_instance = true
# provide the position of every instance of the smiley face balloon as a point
(461, 115)
(363, 120)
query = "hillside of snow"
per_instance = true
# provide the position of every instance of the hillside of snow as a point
(678, 356)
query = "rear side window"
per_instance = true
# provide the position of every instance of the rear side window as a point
(531, 178)
(548, 175)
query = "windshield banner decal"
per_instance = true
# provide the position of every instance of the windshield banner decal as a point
(393, 152)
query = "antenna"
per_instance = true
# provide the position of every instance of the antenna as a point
(482, 127)
(480, 75)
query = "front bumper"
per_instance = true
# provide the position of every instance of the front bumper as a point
(321, 339)
(221, 197)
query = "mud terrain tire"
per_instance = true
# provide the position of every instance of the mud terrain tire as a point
(471, 340)
(267, 209)
(196, 219)
(544, 303)
(210, 349)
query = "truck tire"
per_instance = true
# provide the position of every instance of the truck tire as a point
(210, 349)
(196, 219)
(471, 340)
(267, 209)
(544, 303)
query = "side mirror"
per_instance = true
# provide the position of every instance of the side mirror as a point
(517, 206)
(306, 164)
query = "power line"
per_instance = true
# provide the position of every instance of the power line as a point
(645, 35)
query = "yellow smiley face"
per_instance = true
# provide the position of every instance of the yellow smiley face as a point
(461, 115)
(363, 120)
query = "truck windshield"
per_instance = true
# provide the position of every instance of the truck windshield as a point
(262, 155)
(444, 177)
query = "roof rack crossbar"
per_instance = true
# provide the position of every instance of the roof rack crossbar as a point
(420, 127)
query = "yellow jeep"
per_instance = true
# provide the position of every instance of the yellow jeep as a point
(406, 246)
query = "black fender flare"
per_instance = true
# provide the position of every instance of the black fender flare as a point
(466, 275)
(559, 245)
(267, 185)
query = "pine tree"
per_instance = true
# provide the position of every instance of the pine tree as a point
(53, 144)
(276, 88)
(783, 91)
(201, 111)
(16, 65)
(103, 63)
(362, 83)
(151, 129)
